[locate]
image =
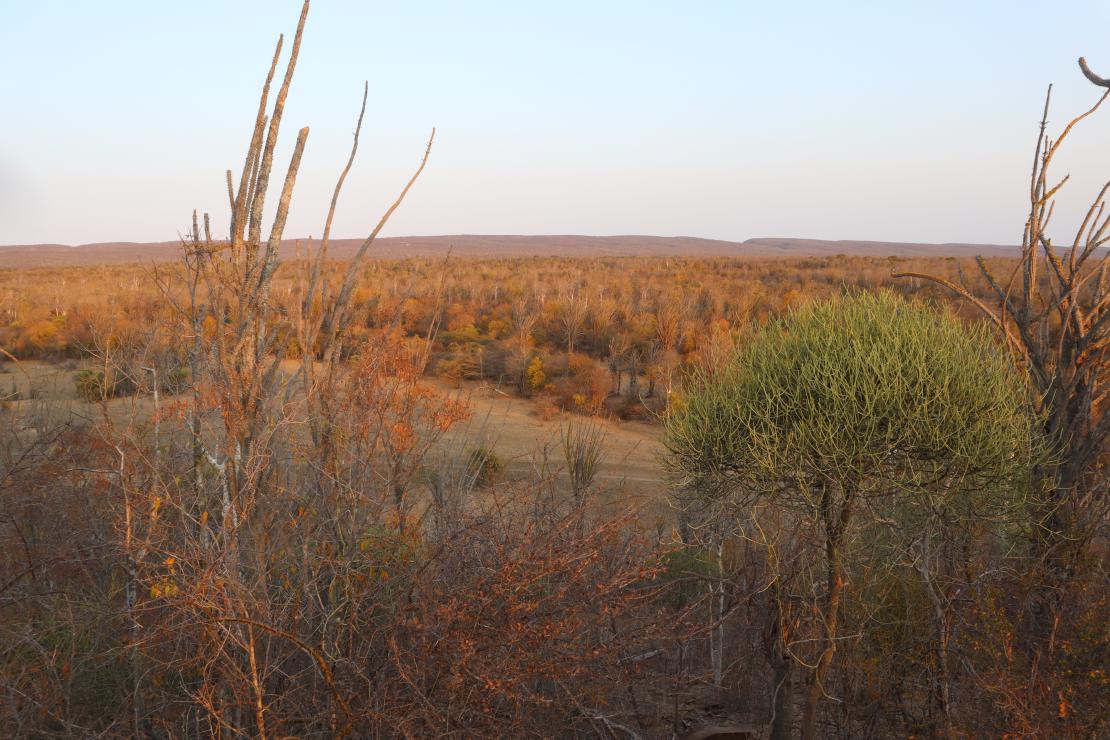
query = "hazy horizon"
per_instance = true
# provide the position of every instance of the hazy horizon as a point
(887, 122)
(672, 237)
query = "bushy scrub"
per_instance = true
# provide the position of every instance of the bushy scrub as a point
(94, 386)
(485, 465)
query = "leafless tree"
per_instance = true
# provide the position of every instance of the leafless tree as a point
(1053, 311)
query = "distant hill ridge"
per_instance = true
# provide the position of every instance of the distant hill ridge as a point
(474, 245)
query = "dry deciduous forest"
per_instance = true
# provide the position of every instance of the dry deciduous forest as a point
(625, 497)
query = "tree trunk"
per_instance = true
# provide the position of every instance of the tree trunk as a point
(782, 681)
(834, 531)
(943, 697)
(717, 612)
(817, 679)
(942, 704)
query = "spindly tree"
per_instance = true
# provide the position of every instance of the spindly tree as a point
(824, 416)
(1053, 310)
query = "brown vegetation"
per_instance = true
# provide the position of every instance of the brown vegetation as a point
(637, 322)
(260, 509)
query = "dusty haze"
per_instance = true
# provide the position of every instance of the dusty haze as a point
(471, 245)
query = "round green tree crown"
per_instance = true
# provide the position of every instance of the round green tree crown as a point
(866, 390)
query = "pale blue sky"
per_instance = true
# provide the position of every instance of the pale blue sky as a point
(874, 120)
